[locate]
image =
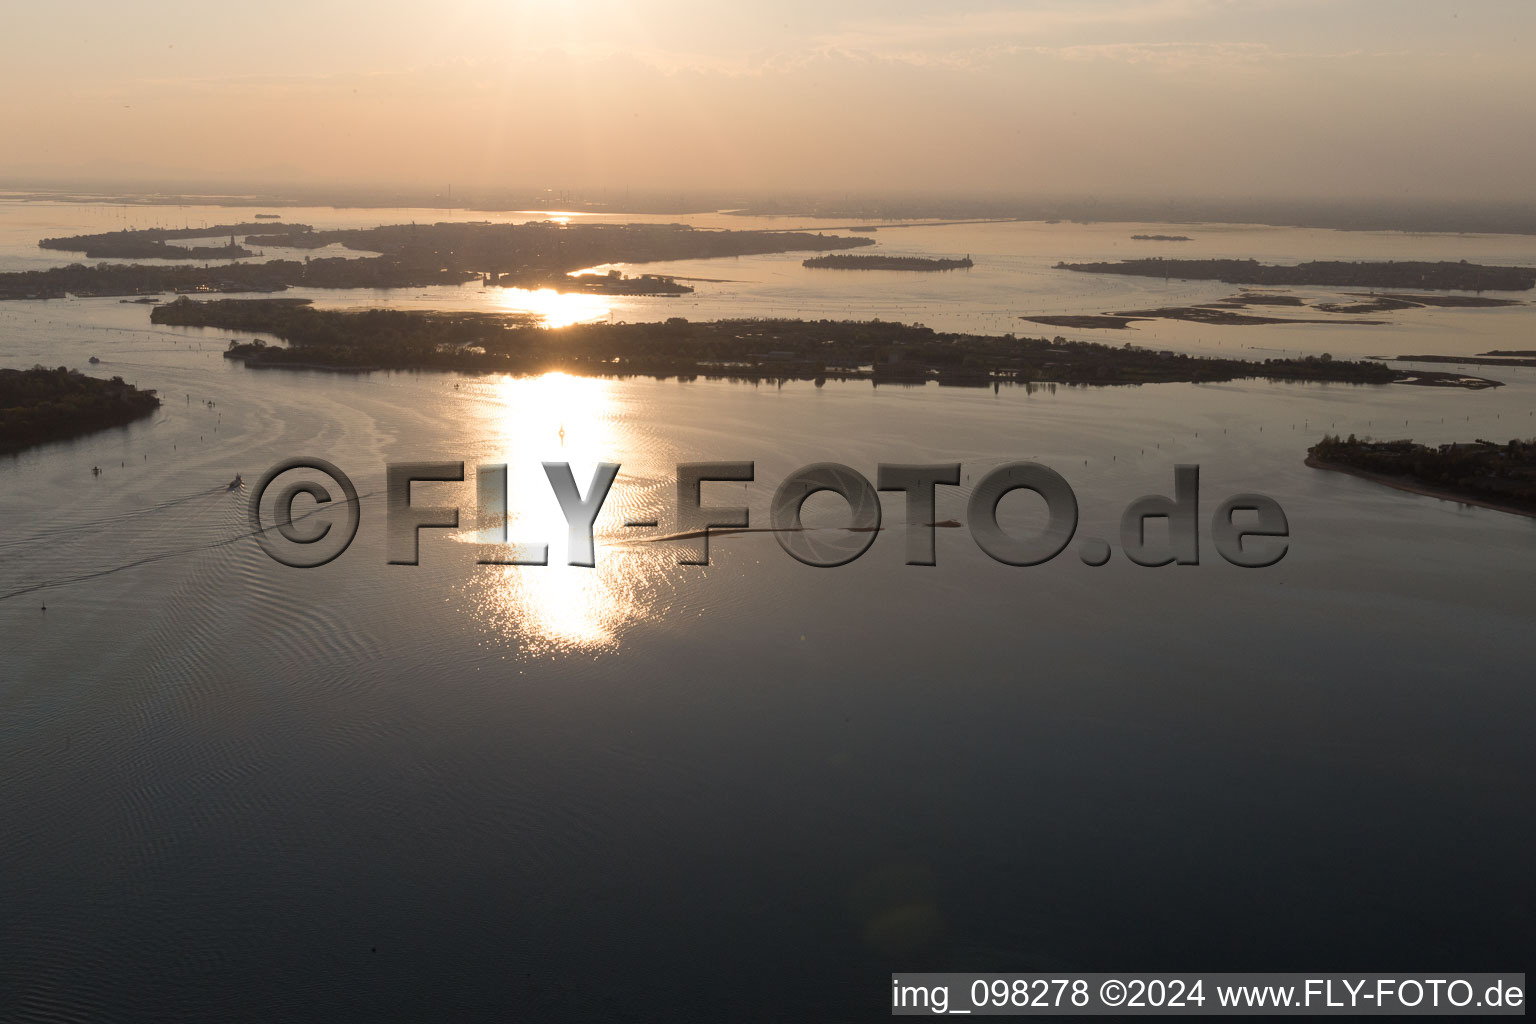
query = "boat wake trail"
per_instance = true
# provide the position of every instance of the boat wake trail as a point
(60, 533)
(160, 556)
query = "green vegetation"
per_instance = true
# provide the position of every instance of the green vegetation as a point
(40, 405)
(1499, 475)
(735, 349)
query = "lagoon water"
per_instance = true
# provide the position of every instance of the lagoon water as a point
(749, 791)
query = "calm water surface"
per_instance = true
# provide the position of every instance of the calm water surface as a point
(749, 791)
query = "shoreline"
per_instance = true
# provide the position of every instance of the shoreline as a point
(44, 406)
(1412, 487)
(744, 348)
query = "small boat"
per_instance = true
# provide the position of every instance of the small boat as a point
(235, 484)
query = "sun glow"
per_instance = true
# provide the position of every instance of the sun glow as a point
(557, 417)
(553, 308)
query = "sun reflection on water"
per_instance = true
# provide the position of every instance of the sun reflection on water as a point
(557, 417)
(554, 309)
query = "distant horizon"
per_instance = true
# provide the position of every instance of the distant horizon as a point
(1462, 215)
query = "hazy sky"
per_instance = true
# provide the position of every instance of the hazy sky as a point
(1381, 98)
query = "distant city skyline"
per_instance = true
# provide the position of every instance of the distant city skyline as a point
(1184, 98)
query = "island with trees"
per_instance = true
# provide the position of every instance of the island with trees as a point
(1161, 238)
(1485, 473)
(920, 263)
(154, 243)
(752, 350)
(612, 283)
(543, 246)
(272, 276)
(1443, 276)
(41, 405)
(533, 255)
